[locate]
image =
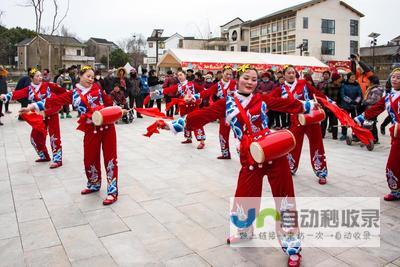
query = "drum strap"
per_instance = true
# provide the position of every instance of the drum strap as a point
(394, 109)
(243, 115)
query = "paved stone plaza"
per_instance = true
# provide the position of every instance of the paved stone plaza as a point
(173, 203)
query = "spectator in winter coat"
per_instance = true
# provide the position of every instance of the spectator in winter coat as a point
(373, 94)
(25, 81)
(144, 84)
(190, 75)
(350, 97)
(326, 76)
(65, 81)
(265, 85)
(169, 81)
(153, 82)
(134, 91)
(109, 82)
(332, 91)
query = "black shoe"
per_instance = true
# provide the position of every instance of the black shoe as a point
(383, 130)
(140, 116)
(1, 124)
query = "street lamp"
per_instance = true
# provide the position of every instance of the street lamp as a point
(374, 37)
(157, 33)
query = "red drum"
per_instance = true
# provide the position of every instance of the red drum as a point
(107, 115)
(272, 146)
(315, 116)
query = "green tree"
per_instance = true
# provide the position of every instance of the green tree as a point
(8, 39)
(118, 58)
(104, 60)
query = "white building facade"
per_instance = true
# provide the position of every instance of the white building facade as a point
(326, 29)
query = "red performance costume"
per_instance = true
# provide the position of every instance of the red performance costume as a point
(36, 93)
(87, 101)
(247, 117)
(390, 103)
(301, 90)
(219, 91)
(191, 91)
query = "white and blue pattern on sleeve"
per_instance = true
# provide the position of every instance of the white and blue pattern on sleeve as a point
(307, 107)
(177, 126)
(360, 119)
(196, 96)
(39, 105)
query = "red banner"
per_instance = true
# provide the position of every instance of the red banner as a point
(207, 66)
(336, 65)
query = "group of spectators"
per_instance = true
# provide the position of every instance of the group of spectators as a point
(354, 92)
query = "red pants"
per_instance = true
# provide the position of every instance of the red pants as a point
(249, 191)
(317, 151)
(103, 137)
(38, 139)
(198, 133)
(224, 137)
(393, 167)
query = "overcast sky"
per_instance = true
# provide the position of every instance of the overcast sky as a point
(119, 19)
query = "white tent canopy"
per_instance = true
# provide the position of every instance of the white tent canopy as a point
(214, 60)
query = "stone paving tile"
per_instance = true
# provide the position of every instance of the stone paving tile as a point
(67, 216)
(9, 226)
(30, 210)
(147, 229)
(127, 250)
(97, 261)
(38, 234)
(11, 253)
(53, 256)
(168, 203)
(192, 260)
(357, 257)
(81, 242)
(167, 249)
(105, 222)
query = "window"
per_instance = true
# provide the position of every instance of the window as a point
(328, 48)
(269, 28)
(291, 45)
(55, 50)
(279, 47)
(243, 48)
(63, 51)
(285, 25)
(151, 45)
(264, 30)
(292, 23)
(353, 47)
(232, 48)
(305, 23)
(284, 46)
(279, 26)
(222, 48)
(78, 52)
(234, 35)
(254, 33)
(161, 45)
(263, 50)
(305, 44)
(328, 26)
(180, 43)
(353, 27)
(274, 27)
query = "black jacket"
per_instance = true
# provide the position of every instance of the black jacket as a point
(3, 85)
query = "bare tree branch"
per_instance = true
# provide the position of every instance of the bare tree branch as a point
(56, 24)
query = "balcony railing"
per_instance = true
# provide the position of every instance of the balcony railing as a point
(77, 58)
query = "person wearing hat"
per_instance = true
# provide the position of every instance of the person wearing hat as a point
(350, 98)
(218, 91)
(390, 103)
(332, 91)
(39, 91)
